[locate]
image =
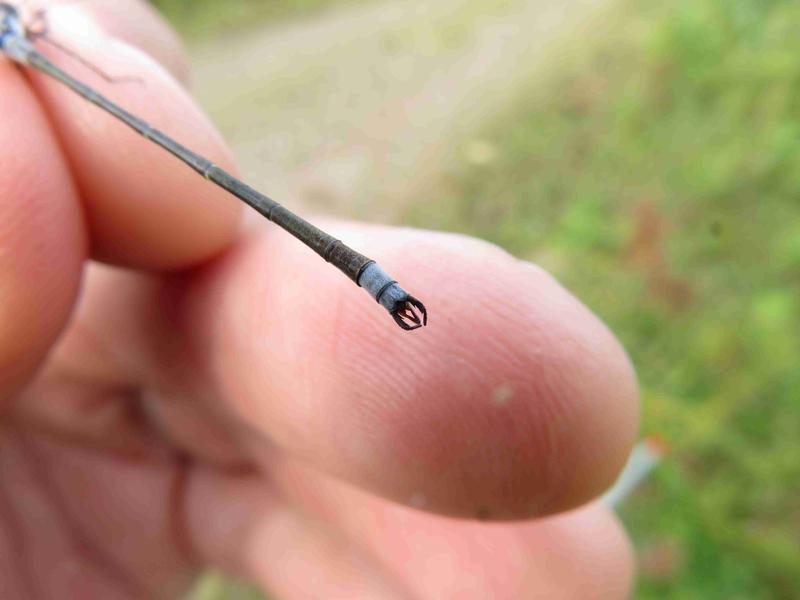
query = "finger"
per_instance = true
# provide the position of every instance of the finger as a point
(137, 23)
(238, 524)
(96, 388)
(144, 208)
(515, 401)
(86, 524)
(42, 237)
(582, 554)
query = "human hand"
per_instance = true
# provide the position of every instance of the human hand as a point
(200, 407)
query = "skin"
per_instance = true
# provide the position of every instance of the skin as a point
(196, 405)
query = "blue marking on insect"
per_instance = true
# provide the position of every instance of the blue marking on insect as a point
(11, 24)
(14, 40)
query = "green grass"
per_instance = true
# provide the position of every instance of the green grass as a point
(659, 178)
(216, 586)
(205, 18)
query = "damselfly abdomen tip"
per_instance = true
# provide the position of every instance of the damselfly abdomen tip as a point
(408, 312)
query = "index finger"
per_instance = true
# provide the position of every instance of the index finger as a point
(144, 208)
(138, 23)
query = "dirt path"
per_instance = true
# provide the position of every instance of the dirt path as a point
(350, 111)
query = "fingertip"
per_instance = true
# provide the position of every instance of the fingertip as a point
(137, 23)
(583, 553)
(515, 401)
(145, 208)
(518, 403)
(586, 550)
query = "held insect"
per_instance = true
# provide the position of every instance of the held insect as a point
(16, 42)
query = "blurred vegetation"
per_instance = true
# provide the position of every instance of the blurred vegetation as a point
(216, 586)
(204, 18)
(659, 178)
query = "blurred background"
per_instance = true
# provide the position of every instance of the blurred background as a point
(646, 152)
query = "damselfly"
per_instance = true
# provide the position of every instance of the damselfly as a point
(17, 43)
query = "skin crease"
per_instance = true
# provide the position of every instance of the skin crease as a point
(199, 404)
